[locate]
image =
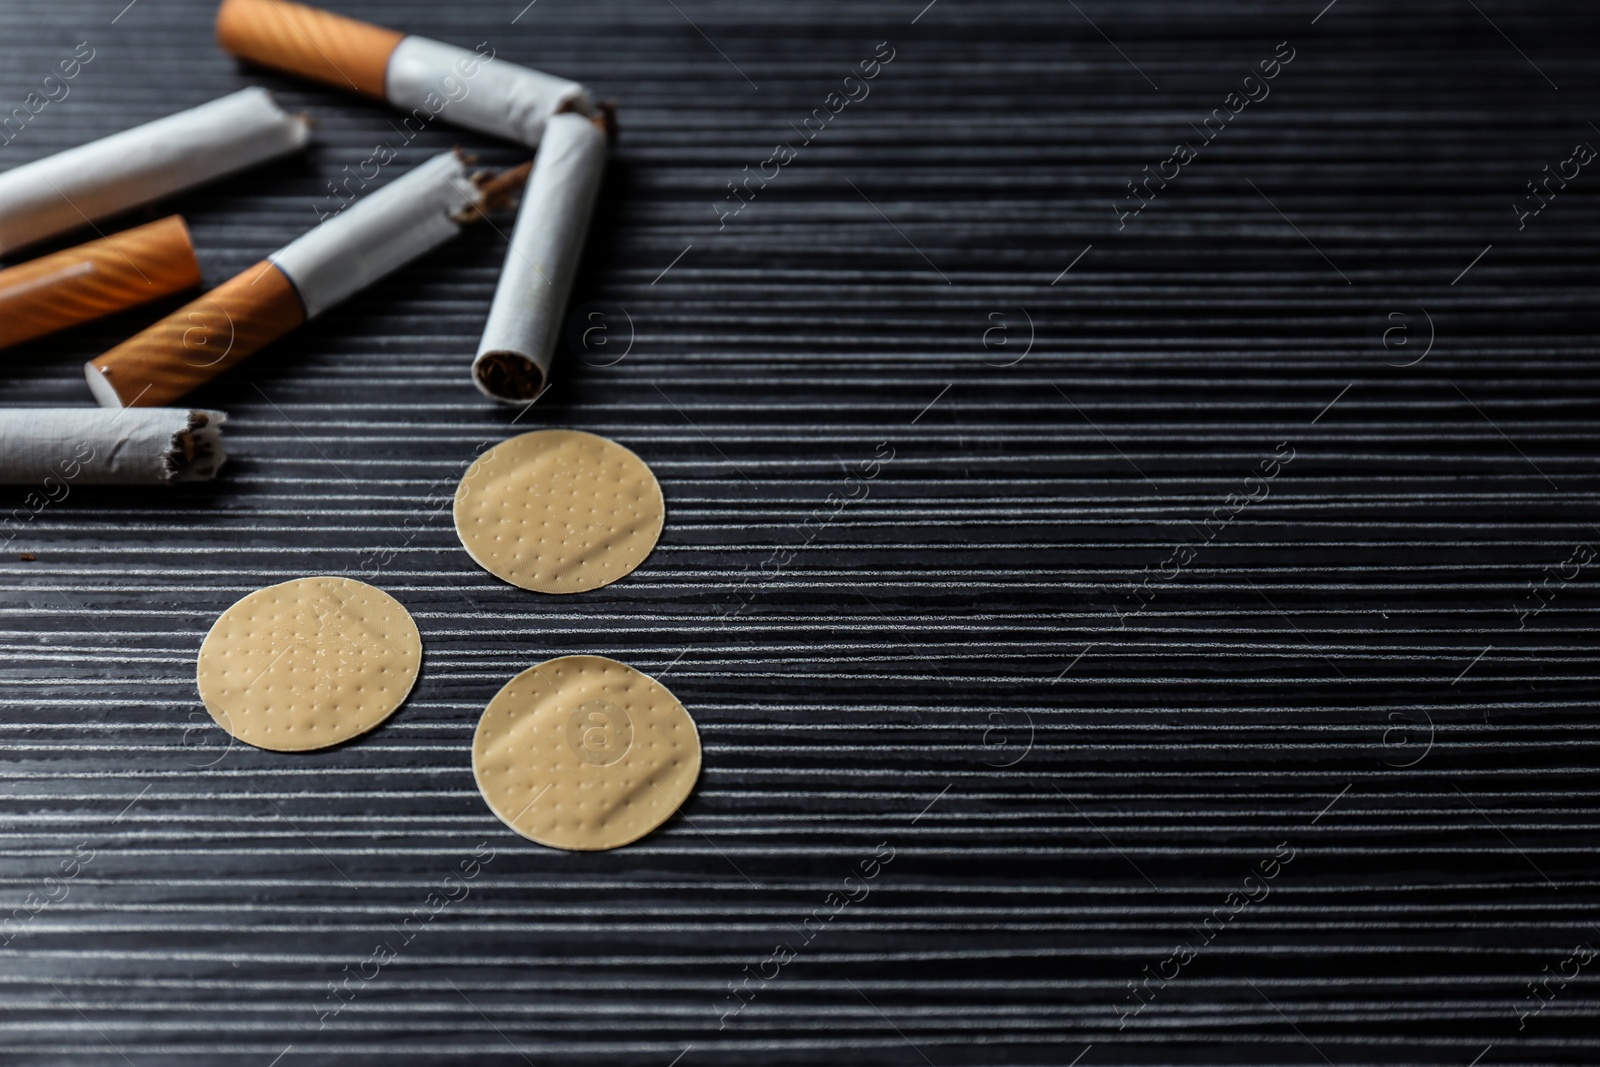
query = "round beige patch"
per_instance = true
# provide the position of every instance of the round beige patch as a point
(559, 511)
(585, 753)
(308, 663)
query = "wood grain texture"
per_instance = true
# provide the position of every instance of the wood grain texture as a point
(204, 338)
(96, 279)
(1386, 661)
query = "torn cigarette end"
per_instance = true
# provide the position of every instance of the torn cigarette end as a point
(53, 448)
(196, 453)
(495, 191)
(96, 279)
(607, 118)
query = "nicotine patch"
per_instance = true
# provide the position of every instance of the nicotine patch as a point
(559, 511)
(308, 663)
(585, 753)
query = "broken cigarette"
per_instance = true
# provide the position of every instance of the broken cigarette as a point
(93, 280)
(86, 184)
(425, 77)
(55, 448)
(378, 234)
(530, 301)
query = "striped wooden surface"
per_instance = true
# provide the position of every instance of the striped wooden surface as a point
(1383, 666)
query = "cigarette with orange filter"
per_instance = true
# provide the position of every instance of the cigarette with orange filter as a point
(83, 185)
(90, 281)
(378, 234)
(530, 301)
(415, 74)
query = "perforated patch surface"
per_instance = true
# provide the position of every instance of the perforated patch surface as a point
(559, 511)
(308, 663)
(585, 753)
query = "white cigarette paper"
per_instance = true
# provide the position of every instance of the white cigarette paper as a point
(487, 95)
(53, 448)
(94, 181)
(530, 301)
(379, 233)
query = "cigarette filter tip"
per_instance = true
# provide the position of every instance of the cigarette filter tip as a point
(332, 49)
(198, 341)
(84, 283)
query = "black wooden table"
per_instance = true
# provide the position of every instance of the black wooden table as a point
(1130, 554)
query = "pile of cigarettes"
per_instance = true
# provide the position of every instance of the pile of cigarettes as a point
(343, 254)
(554, 511)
